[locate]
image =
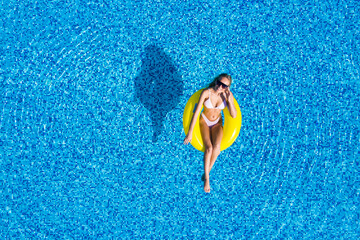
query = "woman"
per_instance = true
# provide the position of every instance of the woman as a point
(215, 98)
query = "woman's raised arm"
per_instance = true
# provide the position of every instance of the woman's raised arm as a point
(231, 105)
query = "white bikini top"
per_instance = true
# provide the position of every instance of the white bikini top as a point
(208, 103)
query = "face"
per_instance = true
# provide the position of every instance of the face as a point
(223, 84)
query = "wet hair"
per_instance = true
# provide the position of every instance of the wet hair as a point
(218, 78)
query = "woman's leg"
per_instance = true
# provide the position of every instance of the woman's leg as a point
(216, 136)
(205, 133)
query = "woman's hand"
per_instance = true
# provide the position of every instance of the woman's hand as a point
(188, 138)
(229, 95)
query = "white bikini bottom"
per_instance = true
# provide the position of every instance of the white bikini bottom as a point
(208, 122)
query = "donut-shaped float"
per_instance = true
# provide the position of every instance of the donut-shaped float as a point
(231, 127)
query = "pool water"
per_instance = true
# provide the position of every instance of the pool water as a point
(92, 97)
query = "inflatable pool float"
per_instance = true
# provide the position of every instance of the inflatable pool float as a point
(231, 128)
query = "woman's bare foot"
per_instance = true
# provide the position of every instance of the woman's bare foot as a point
(207, 185)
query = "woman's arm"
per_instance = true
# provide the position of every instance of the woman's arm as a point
(230, 103)
(195, 117)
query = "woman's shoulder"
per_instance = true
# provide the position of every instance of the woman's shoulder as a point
(206, 91)
(204, 94)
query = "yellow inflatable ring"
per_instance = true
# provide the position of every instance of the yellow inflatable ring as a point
(231, 128)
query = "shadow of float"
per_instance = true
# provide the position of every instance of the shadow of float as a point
(158, 86)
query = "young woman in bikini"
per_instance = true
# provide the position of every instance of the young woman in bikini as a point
(215, 98)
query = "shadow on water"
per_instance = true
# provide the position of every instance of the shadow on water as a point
(158, 86)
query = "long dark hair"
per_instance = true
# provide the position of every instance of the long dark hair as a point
(218, 78)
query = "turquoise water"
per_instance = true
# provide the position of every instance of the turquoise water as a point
(92, 96)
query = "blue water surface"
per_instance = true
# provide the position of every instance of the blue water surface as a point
(92, 95)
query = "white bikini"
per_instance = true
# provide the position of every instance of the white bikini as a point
(209, 105)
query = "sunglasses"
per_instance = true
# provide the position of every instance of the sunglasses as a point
(219, 83)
